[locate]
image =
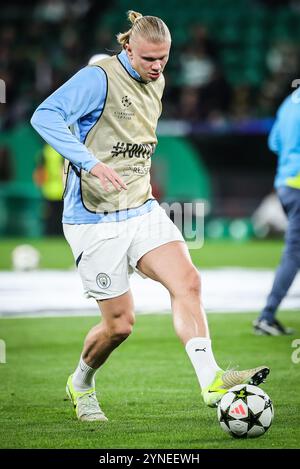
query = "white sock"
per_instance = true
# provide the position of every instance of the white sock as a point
(201, 355)
(83, 377)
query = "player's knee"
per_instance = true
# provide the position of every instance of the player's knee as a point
(193, 282)
(122, 328)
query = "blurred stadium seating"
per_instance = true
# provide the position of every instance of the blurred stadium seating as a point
(232, 62)
(42, 46)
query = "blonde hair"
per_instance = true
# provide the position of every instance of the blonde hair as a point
(151, 28)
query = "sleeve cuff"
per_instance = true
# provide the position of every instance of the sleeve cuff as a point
(88, 166)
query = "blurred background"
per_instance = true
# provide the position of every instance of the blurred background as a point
(232, 62)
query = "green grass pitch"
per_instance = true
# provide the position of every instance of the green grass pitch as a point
(147, 388)
(56, 254)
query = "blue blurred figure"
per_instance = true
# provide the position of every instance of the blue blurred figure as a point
(284, 140)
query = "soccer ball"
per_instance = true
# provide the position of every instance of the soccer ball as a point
(245, 411)
(25, 257)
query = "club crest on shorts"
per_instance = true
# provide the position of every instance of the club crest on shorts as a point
(103, 280)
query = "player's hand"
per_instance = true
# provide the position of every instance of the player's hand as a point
(106, 174)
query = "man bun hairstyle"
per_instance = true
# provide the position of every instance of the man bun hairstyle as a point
(151, 28)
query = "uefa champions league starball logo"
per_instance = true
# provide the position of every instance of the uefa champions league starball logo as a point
(126, 101)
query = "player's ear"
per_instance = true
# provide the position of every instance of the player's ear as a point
(128, 49)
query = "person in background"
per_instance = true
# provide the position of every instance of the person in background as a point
(284, 140)
(48, 176)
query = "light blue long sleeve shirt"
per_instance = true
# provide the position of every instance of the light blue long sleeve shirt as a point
(79, 103)
(284, 139)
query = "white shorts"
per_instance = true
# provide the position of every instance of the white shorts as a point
(107, 253)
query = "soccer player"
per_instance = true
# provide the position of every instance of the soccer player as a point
(111, 220)
(284, 140)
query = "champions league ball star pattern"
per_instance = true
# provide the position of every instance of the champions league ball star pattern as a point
(245, 411)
